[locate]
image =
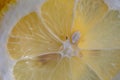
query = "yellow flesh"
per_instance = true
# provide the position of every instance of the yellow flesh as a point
(36, 35)
(58, 16)
(106, 34)
(88, 14)
(30, 38)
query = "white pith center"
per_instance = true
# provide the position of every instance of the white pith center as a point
(70, 48)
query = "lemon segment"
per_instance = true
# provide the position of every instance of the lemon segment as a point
(82, 71)
(35, 69)
(106, 63)
(58, 16)
(88, 13)
(105, 35)
(30, 38)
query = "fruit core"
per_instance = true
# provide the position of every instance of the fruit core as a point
(70, 46)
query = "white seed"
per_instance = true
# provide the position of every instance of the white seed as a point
(75, 37)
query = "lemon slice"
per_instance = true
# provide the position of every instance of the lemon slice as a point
(59, 40)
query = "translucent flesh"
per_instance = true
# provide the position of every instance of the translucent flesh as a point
(35, 69)
(105, 35)
(105, 63)
(58, 16)
(103, 41)
(61, 69)
(94, 65)
(32, 37)
(87, 14)
(81, 71)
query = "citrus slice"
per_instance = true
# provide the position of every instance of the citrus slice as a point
(60, 40)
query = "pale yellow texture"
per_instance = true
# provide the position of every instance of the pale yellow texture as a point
(99, 42)
(105, 34)
(88, 14)
(58, 16)
(30, 38)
